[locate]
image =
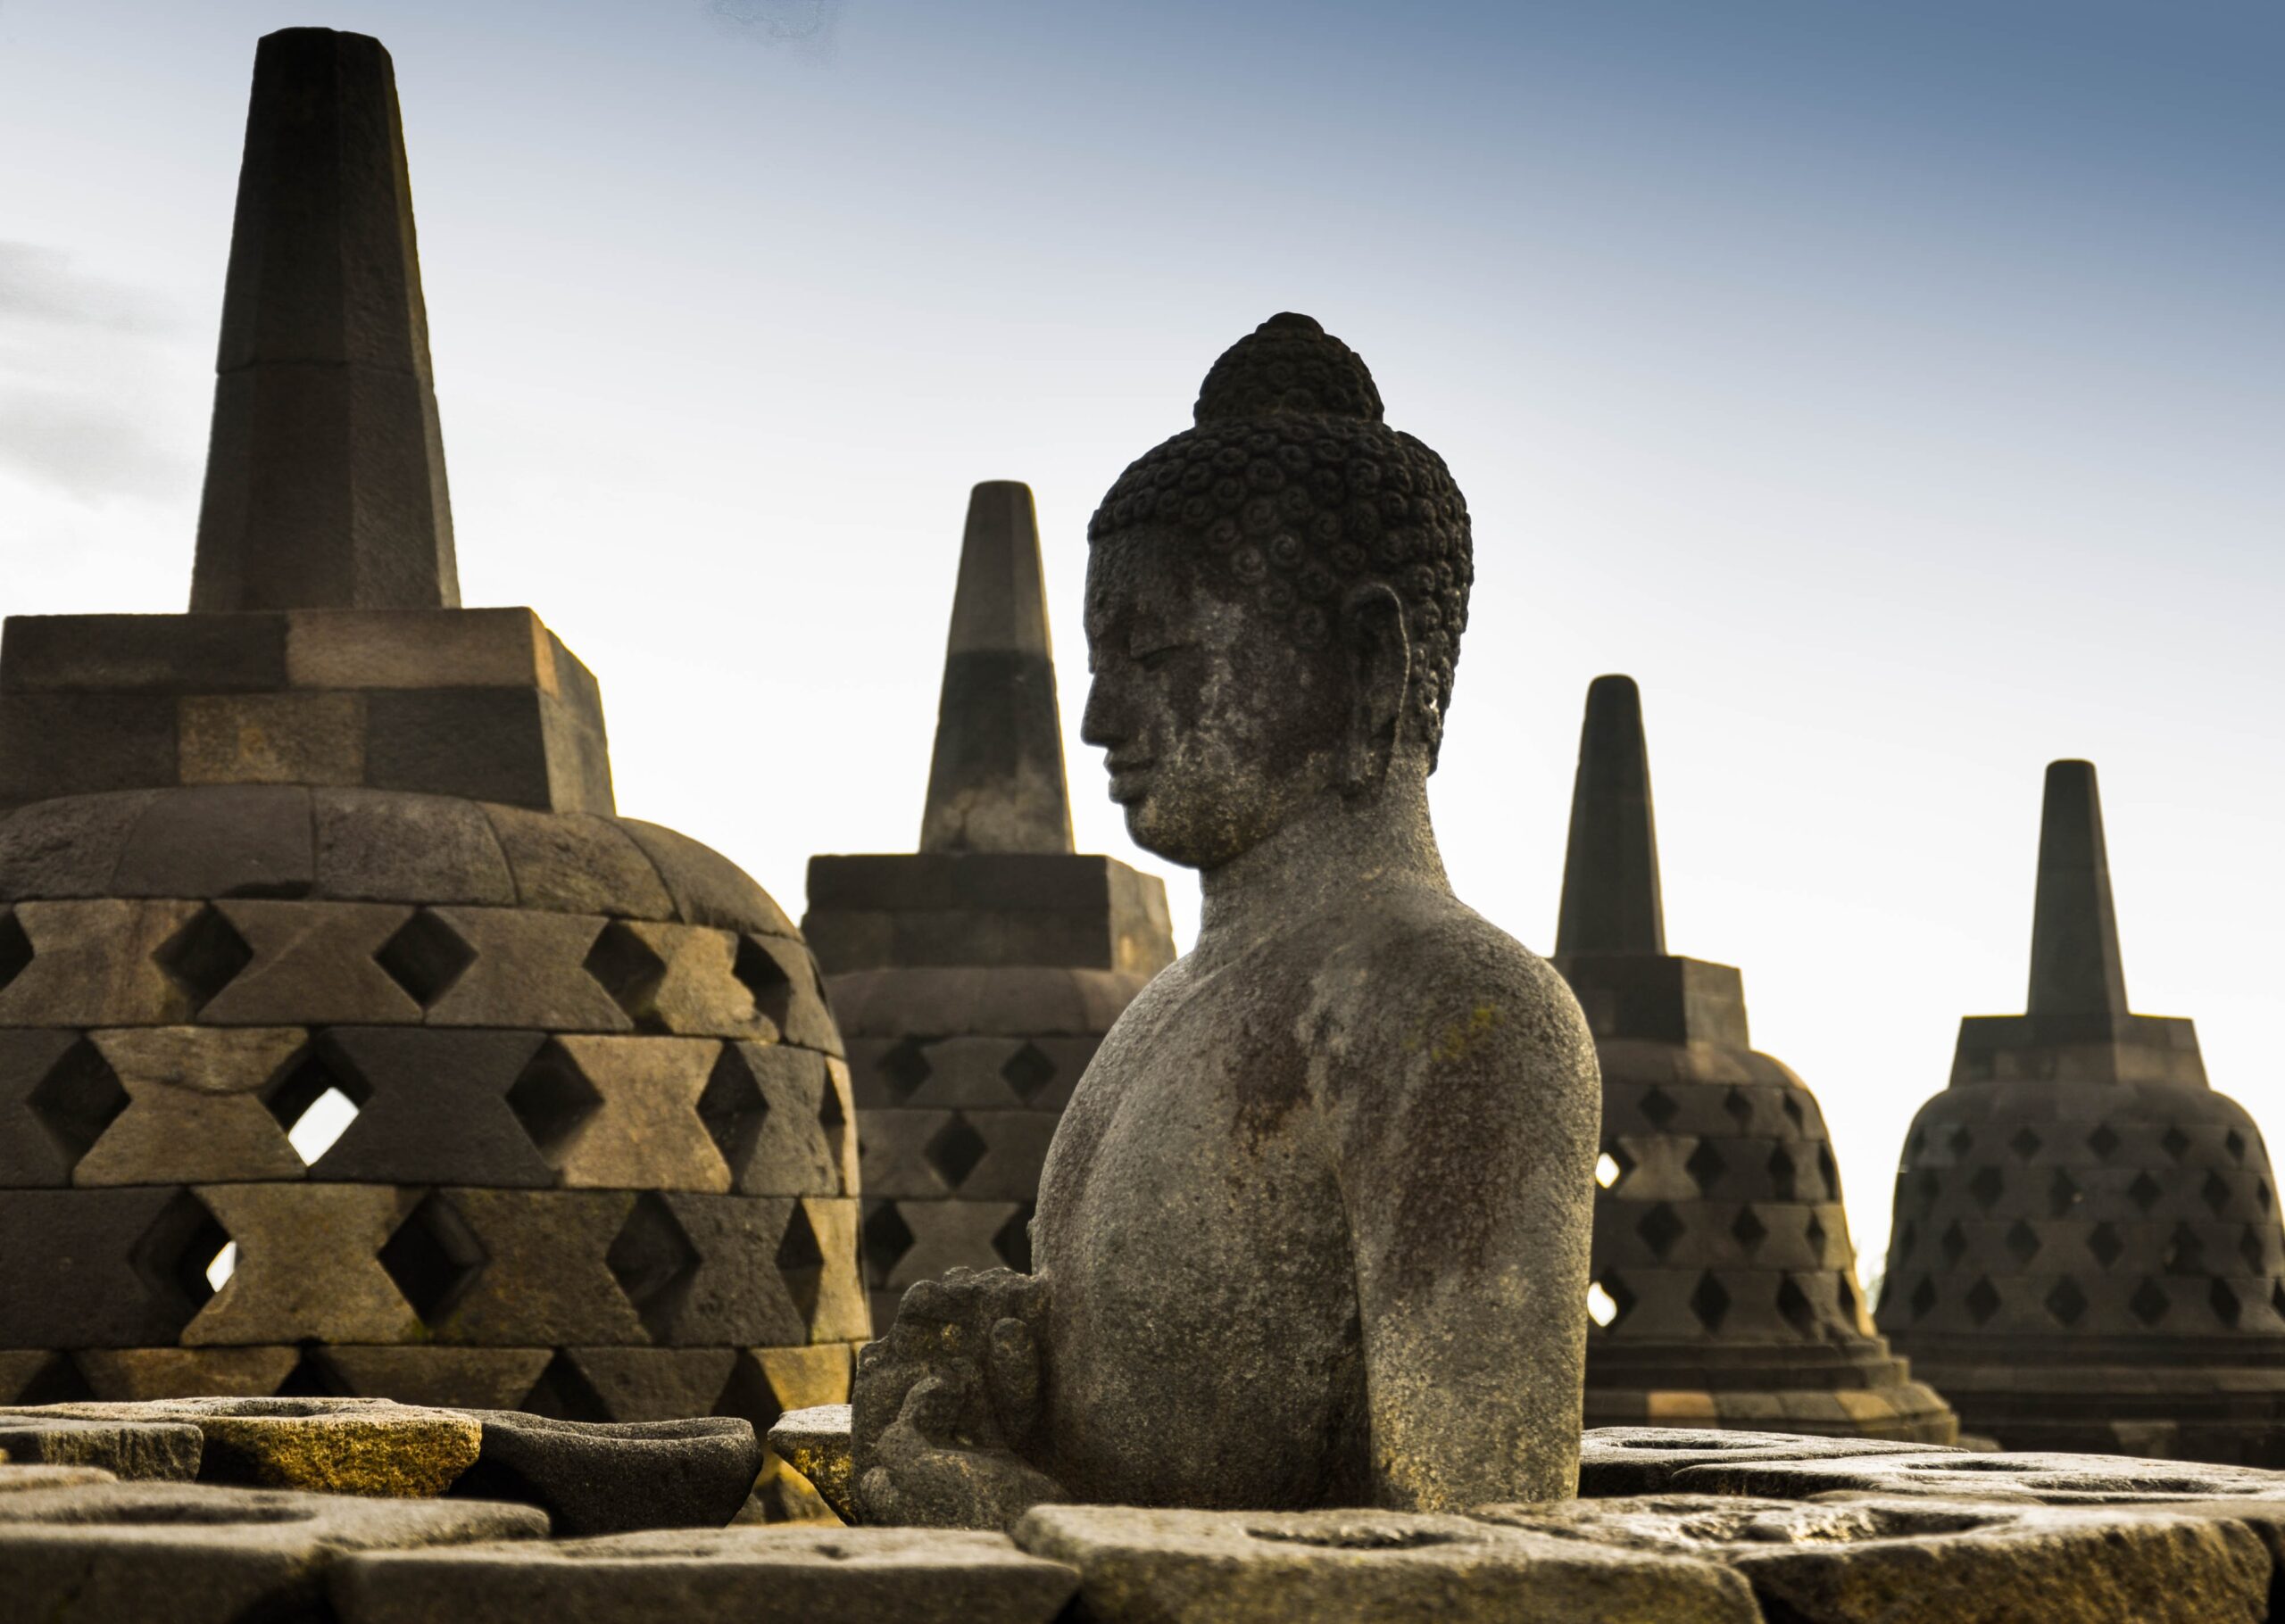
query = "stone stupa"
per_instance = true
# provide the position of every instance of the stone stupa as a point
(2087, 1253)
(975, 978)
(1727, 1281)
(330, 834)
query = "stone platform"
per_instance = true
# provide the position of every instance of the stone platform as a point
(204, 1510)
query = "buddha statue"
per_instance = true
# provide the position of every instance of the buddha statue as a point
(1314, 1228)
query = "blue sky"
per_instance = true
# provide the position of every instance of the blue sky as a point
(1894, 390)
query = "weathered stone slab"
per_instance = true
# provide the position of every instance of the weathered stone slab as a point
(525, 970)
(271, 738)
(67, 847)
(395, 846)
(498, 1378)
(781, 1120)
(149, 1450)
(308, 1265)
(645, 1132)
(195, 1109)
(233, 840)
(135, 1375)
(188, 1553)
(546, 1281)
(313, 965)
(1867, 1561)
(1349, 1567)
(1644, 1460)
(2053, 1479)
(54, 1103)
(615, 1478)
(367, 1447)
(577, 863)
(88, 1269)
(22, 1480)
(94, 963)
(434, 1107)
(706, 888)
(815, 1442)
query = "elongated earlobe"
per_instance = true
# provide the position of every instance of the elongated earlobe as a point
(1380, 676)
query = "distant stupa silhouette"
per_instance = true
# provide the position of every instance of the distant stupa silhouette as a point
(1727, 1290)
(2087, 1252)
(975, 978)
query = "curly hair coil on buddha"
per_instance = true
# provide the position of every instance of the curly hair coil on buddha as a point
(1299, 493)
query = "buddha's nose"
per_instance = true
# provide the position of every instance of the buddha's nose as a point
(1101, 724)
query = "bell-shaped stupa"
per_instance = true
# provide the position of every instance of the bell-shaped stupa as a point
(1725, 1284)
(975, 978)
(2087, 1252)
(330, 843)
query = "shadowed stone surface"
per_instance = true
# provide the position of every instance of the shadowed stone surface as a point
(2086, 1252)
(144, 1450)
(1315, 1223)
(610, 1480)
(1726, 1290)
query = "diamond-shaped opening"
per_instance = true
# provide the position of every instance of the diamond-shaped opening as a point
(2175, 1142)
(2103, 1241)
(2277, 1299)
(1013, 1241)
(1612, 1165)
(1927, 1186)
(58, 1381)
(1660, 1227)
(954, 1149)
(80, 1097)
(1814, 1233)
(1028, 1072)
(2066, 1301)
(2261, 1195)
(174, 1255)
(1710, 1302)
(1954, 1244)
(1982, 1300)
(15, 947)
(432, 1258)
(203, 956)
(2022, 1243)
(1986, 1185)
(631, 971)
(1740, 1108)
(801, 1262)
(2225, 1304)
(1961, 1140)
(554, 1101)
(1706, 1165)
(1747, 1230)
(748, 1395)
(2144, 1192)
(2250, 1248)
(1907, 1239)
(1916, 1144)
(1609, 1300)
(1658, 1106)
(425, 957)
(2103, 1140)
(765, 980)
(1924, 1297)
(1793, 1304)
(314, 1100)
(1793, 1110)
(732, 1107)
(885, 1239)
(2185, 1252)
(1844, 1289)
(1828, 1172)
(904, 1068)
(2215, 1193)
(2149, 1302)
(563, 1393)
(654, 1262)
(2062, 1195)
(833, 1121)
(313, 1376)
(2024, 1143)
(2232, 1142)
(1781, 1172)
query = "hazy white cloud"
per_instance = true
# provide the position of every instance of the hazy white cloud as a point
(804, 26)
(40, 287)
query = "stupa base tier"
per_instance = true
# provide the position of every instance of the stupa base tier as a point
(1854, 1391)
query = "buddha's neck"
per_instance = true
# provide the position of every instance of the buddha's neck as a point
(1334, 849)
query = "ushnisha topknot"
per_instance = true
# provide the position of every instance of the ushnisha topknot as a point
(1300, 493)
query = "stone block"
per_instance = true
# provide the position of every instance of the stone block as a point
(271, 738)
(21, 1480)
(824, 1576)
(39, 1376)
(999, 1073)
(98, 963)
(781, 1120)
(1643, 1460)
(119, 742)
(1175, 1567)
(137, 1375)
(577, 862)
(103, 1268)
(195, 1106)
(691, 981)
(497, 1378)
(915, 1155)
(434, 1106)
(1015, 1148)
(1043, 1000)
(390, 846)
(243, 840)
(56, 1098)
(906, 1242)
(314, 964)
(2050, 1479)
(614, 1478)
(146, 1450)
(189, 1554)
(68, 847)
(516, 746)
(308, 1265)
(367, 1447)
(814, 1441)
(794, 997)
(654, 1384)
(414, 648)
(643, 1132)
(524, 969)
(708, 889)
(833, 1301)
(545, 1280)
(147, 653)
(700, 1269)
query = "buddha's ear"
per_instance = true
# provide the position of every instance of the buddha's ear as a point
(1379, 673)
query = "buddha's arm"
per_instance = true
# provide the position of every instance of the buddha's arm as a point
(1467, 1168)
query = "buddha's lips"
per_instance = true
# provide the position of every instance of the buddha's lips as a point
(1129, 780)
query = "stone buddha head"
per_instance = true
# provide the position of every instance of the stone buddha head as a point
(1275, 602)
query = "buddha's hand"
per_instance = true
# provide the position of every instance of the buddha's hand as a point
(948, 1402)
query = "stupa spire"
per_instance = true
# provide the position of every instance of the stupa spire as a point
(2075, 966)
(325, 473)
(996, 782)
(1610, 871)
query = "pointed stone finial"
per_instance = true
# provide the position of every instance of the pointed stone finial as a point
(2075, 966)
(996, 782)
(325, 476)
(1610, 872)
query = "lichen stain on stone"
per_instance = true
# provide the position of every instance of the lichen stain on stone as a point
(1456, 1041)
